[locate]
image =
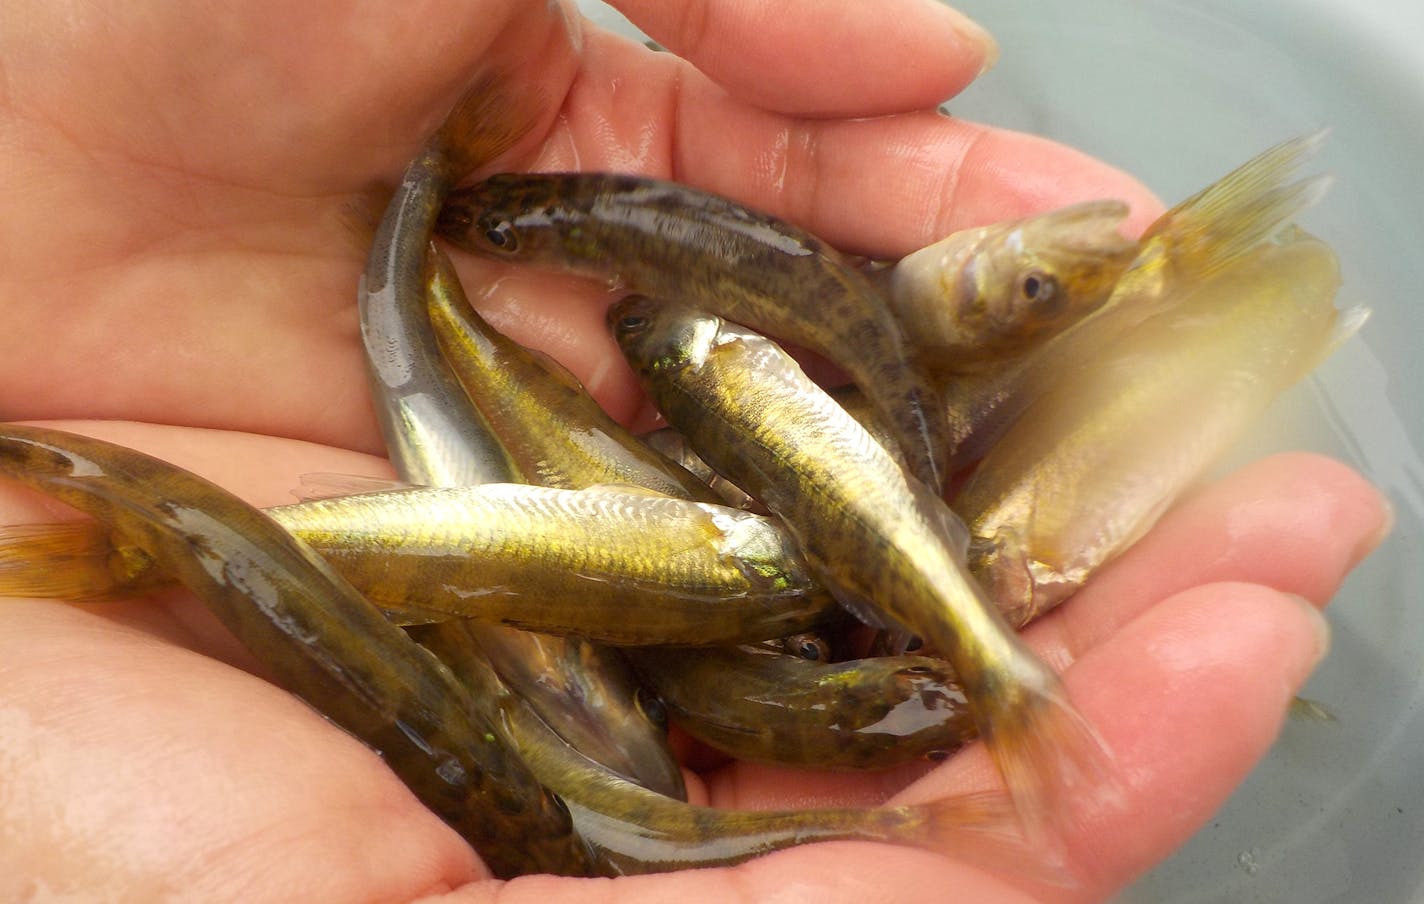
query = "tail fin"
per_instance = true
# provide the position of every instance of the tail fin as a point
(981, 829)
(73, 560)
(1047, 753)
(1245, 208)
(489, 119)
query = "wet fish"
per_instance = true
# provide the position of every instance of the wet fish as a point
(555, 434)
(1186, 245)
(765, 706)
(1091, 465)
(318, 635)
(635, 831)
(884, 542)
(613, 564)
(984, 294)
(667, 240)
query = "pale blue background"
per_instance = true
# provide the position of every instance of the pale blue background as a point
(1178, 93)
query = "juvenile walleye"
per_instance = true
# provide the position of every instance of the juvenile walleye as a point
(609, 564)
(882, 541)
(670, 241)
(320, 638)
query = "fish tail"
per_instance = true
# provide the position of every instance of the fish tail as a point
(982, 828)
(487, 120)
(1245, 208)
(1046, 751)
(61, 560)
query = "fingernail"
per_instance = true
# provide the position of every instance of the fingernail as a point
(974, 33)
(1373, 541)
(1319, 623)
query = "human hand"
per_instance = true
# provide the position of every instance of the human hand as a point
(178, 253)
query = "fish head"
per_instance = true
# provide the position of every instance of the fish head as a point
(1042, 274)
(515, 216)
(661, 337)
(1000, 289)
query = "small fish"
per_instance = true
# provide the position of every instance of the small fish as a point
(882, 541)
(553, 431)
(635, 831)
(613, 564)
(1186, 245)
(984, 294)
(1090, 466)
(321, 639)
(765, 706)
(667, 240)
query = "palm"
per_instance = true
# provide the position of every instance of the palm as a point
(179, 250)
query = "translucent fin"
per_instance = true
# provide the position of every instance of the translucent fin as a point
(60, 560)
(1304, 710)
(489, 118)
(329, 485)
(980, 828)
(1046, 752)
(1245, 208)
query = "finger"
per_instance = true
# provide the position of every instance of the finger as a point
(1297, 522)
(136, 770)
(858, 59)
(882, 186)
(1187, 698)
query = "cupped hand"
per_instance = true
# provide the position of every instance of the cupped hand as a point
(178, 249)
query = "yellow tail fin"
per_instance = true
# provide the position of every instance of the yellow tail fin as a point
(74, 560)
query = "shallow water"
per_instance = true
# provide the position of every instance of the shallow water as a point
(1178, 93)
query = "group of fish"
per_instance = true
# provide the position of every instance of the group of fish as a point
(514, 623)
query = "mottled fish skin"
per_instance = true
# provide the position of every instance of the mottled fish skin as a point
(434, 435)
(670, 241)
(1090, 466)
(319, 637)
(988, 293)
(882, 541)
(765, 706)
(635, 831)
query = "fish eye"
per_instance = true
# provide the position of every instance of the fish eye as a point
(808, 647)
(651, 707)
(501, 235)
(632, 324)
(1040, 290)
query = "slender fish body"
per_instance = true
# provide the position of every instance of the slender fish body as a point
(1091, 465)
(882, 541)
(320, 638)
(609, 563)
(762, 705)
(981, 295)
(555, 434)
(667, 240)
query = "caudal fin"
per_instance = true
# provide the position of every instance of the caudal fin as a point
(489, 119)
(1047, 753)
(982, 829)
(74, 560)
